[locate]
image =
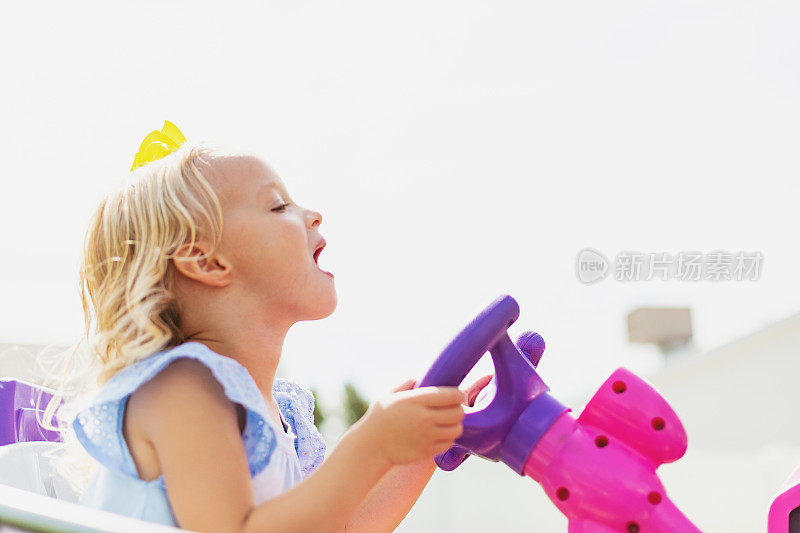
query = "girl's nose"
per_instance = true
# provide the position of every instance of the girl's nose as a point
(314, 217)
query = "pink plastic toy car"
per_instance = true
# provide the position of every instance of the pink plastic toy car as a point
(784, 513)
(599, 470)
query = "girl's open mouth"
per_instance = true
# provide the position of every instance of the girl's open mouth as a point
(316, 257)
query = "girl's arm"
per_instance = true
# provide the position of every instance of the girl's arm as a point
(392, 498)
(193, 429)
(398, 490)
(329, 496)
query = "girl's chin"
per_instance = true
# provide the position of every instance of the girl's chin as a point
(325, 308)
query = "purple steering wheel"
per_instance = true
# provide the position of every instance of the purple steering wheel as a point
(517, 382)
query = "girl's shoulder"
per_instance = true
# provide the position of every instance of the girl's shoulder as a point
(233, 377)
(99, 418)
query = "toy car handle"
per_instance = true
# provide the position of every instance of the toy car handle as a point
(516, 381)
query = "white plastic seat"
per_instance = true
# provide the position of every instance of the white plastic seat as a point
(34, 497)
(29, 466)
(21, 510)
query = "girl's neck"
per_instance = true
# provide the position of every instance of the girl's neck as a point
(237, 326)
(259, 353)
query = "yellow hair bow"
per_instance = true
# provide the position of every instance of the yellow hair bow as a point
(157, 144)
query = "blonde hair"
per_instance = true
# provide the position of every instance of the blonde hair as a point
(127, 274)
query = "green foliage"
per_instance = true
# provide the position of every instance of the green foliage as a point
(319, 415)
(354, 404)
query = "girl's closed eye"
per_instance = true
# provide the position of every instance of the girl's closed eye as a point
(281, 208)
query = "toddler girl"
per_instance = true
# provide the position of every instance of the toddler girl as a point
(192, 277)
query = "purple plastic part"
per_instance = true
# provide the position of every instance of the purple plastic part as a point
(499, 431)
(532, 345)
(534, 422)
(20, 403)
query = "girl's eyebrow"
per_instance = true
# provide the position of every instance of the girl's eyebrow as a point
(265, 187)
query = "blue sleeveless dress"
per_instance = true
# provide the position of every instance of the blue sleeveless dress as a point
(278, 459)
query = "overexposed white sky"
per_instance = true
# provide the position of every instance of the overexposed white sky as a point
(457, 151)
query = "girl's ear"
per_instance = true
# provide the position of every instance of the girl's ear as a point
(194, 262)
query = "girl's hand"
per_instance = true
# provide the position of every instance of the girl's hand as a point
(475, 389)
(415, 424)
(407, 385)
(471, 392)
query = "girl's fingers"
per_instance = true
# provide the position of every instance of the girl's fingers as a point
(482, 382)
(446, 416)
(449, 433)
(441, 396)
(474, 389)
(441, 446)
(407, 385)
